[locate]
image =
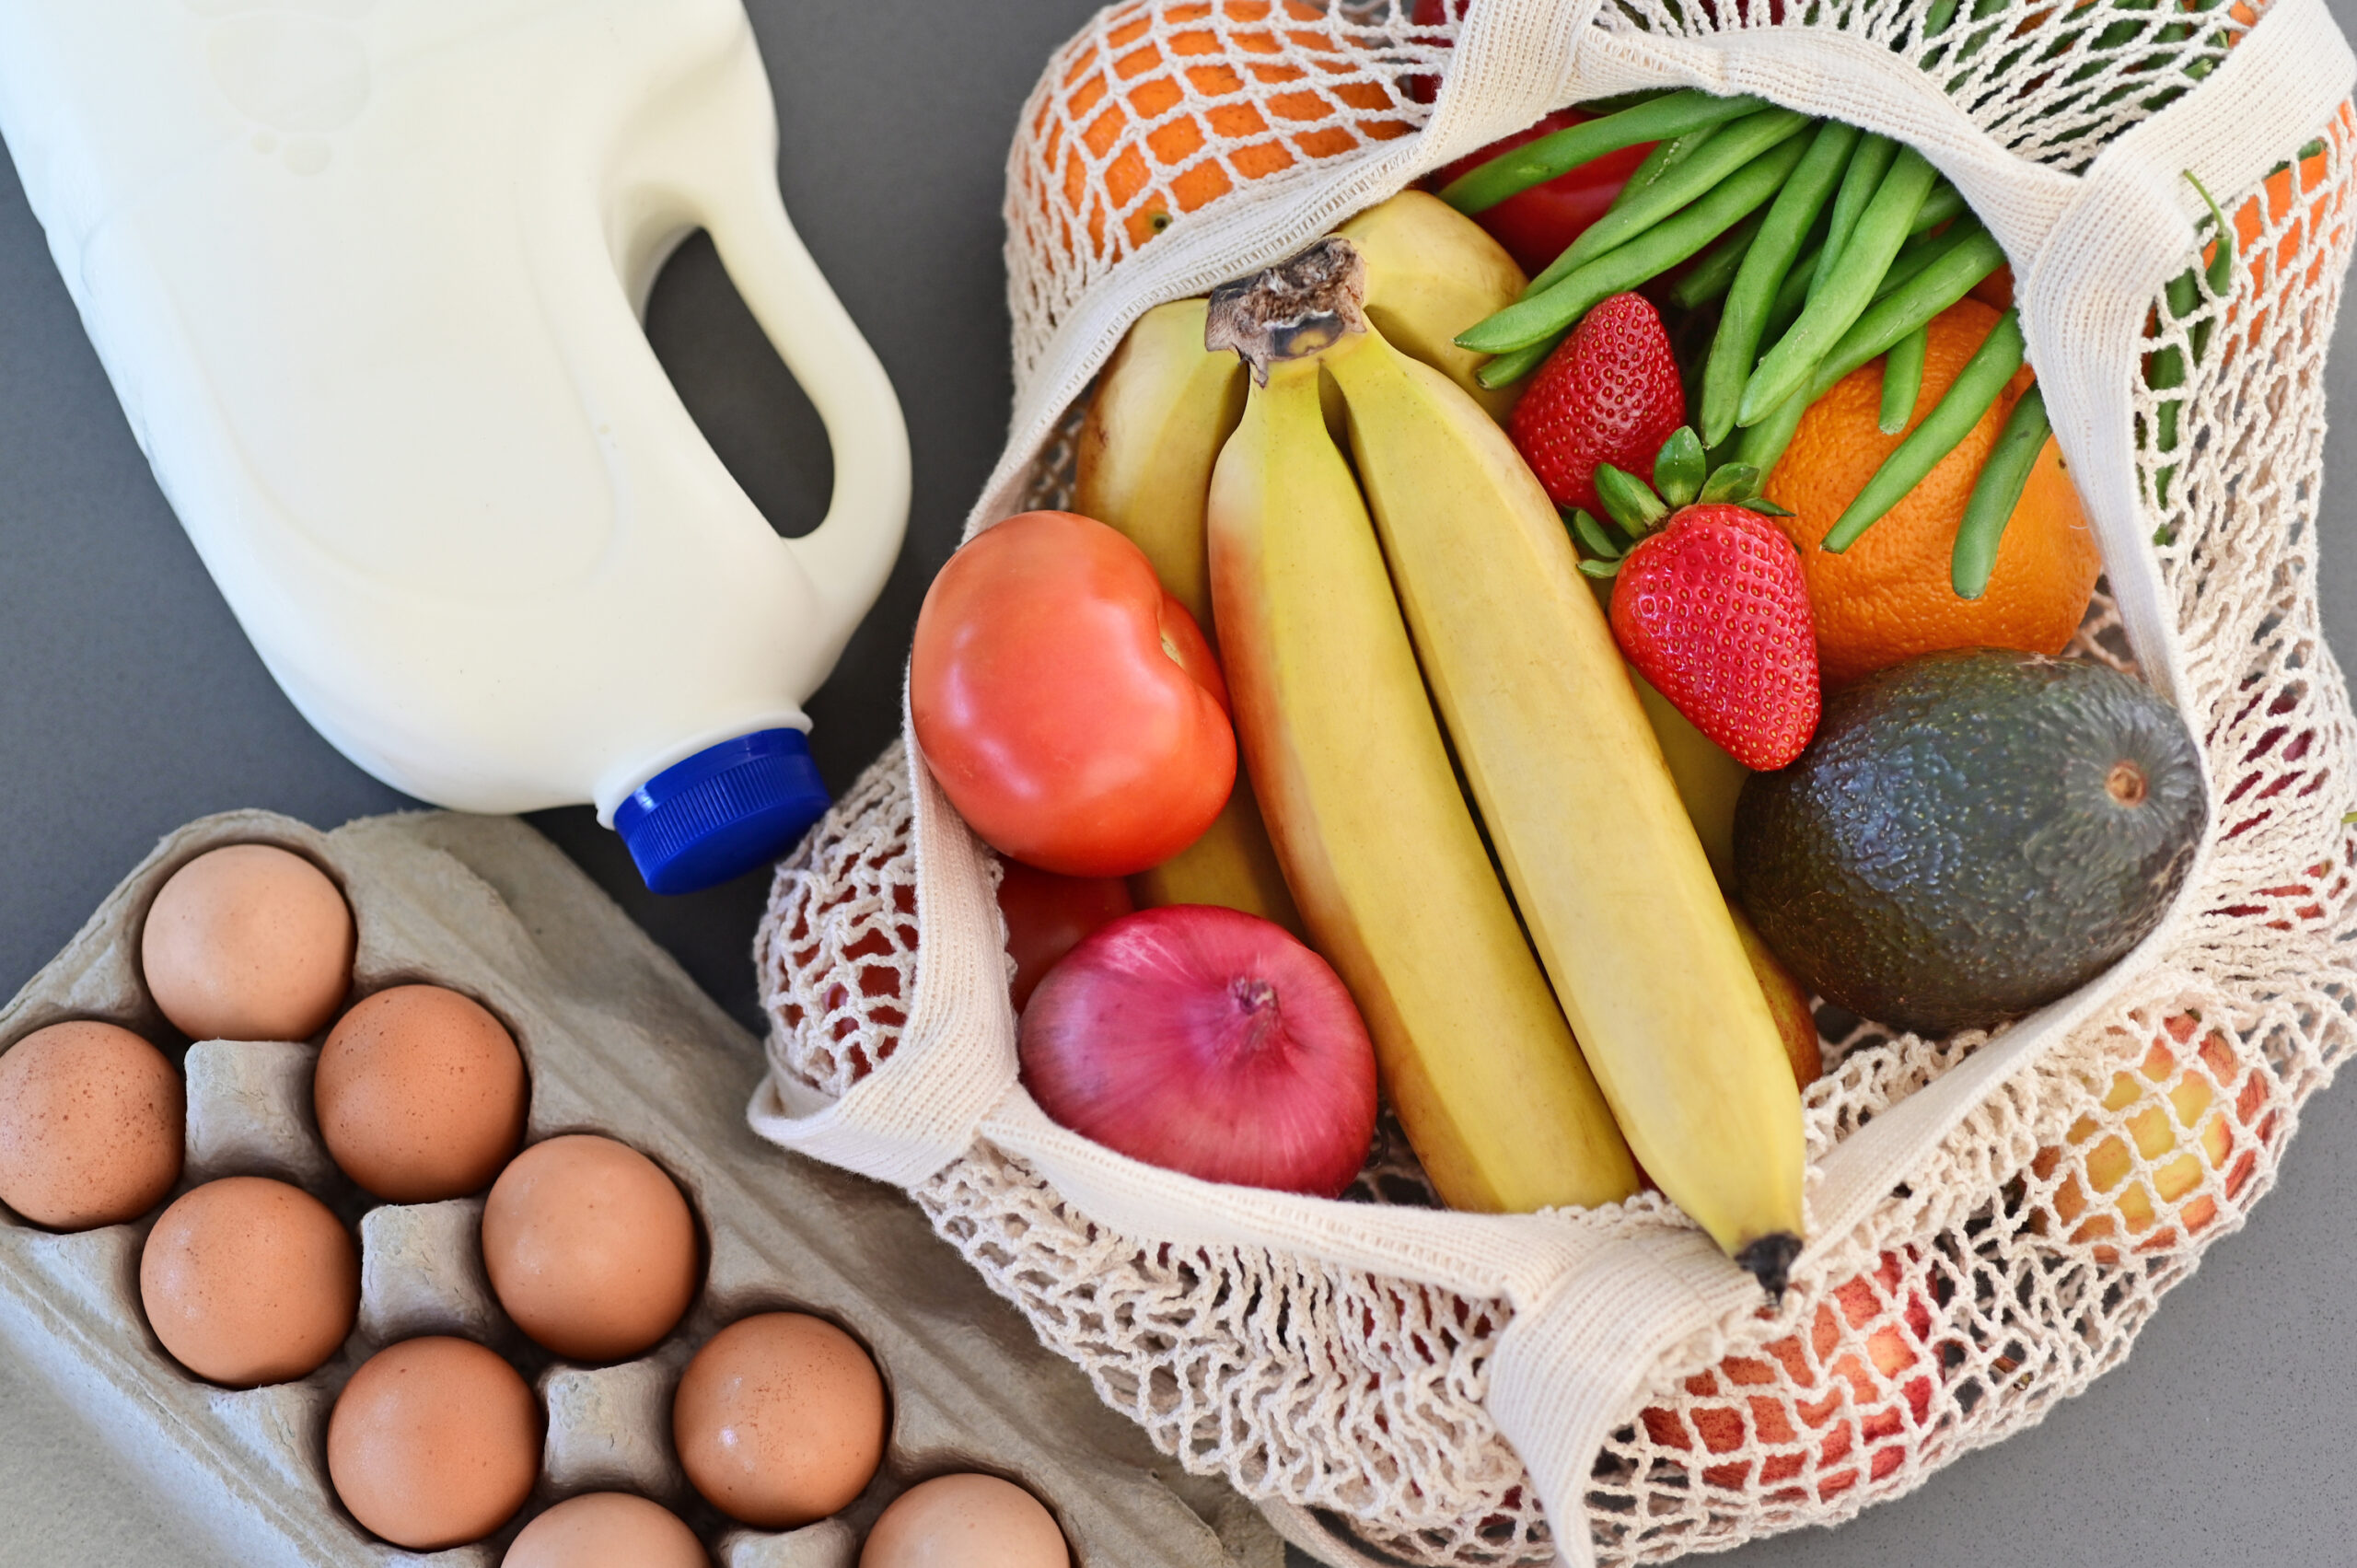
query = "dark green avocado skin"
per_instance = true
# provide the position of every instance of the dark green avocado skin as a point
(1947, 853)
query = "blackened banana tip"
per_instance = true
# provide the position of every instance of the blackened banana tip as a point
(1769, 1260)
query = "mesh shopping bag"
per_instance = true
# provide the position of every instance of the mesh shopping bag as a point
(1993, 1217)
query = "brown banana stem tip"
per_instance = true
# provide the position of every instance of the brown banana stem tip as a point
(1769, 1260)
(1296, 310)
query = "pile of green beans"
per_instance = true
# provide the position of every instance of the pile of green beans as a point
(1824, 246)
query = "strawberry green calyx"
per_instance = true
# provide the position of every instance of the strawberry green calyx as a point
(1681, 467)
(1630, 501)
(1641, 509)
(1296, 309)
(1603, 545)
(1739, 484)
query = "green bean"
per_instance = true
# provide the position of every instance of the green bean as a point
(1532, 319)
(1514, 364)
(1836, 306)
(1996, 494)
(1945, 201)
(1730, 147)
(1868, 163)
(2168, 369)
(2221, 273)
(1789, 219)
(1940, 285)
(1902, 379)
(1709, 277)
(1600, 107)
(1921, 252)
(1968, 396)
(1760, 446)
(1664, 157)
(1791, 293)
(1948, 278)
(1536, 162)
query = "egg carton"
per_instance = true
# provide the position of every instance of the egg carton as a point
(618, 1041)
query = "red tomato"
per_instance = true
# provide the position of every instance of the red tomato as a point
(1047, 915)
(1537, 224)
(1070, 707)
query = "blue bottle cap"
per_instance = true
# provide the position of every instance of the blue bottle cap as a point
(724, 811)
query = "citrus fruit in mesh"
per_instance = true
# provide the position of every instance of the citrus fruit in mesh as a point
(1887, 598)
(1164, 105)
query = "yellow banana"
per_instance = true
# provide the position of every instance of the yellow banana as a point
(1145, 465)
(1431, 274)
(1708, 780)
(1604, 865)
(1378, 842)
(1165, 404)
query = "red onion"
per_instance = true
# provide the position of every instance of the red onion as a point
(1205, 1041)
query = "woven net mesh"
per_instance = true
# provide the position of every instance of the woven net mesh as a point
(2020, 1260)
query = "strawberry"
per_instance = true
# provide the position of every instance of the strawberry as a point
(1610, 393)
(1710, 603)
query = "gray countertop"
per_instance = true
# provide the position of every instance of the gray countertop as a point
(131, 703)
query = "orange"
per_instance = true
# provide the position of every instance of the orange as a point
(2272, 209)
(1170, 76)
(1887, 598)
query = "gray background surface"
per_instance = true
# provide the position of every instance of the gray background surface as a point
(130, 702)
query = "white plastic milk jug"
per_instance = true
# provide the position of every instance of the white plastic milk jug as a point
(367, 275)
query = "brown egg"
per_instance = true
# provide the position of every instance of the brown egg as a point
(965, 1521)
(590, 1248)
(250, 1280)
(247, 942)
(420, 1094)
(91, 1124)
(606, 1529)
(779, 1420)
(433, 1443)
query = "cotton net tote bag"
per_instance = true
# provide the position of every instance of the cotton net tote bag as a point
(1398, 1383)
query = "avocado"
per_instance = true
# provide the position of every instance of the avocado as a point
(1971, 835)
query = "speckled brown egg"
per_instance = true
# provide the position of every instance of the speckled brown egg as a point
(247, 942)
(606, 1529)
(779, 1420)
(420, 1094)
(433, 1443)
(248, 1281)
(590, 1248)
(91, 1124)
(965, 1521)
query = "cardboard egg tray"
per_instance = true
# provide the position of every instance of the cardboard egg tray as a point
(618, 1041)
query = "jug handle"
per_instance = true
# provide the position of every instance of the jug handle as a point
(850, 553)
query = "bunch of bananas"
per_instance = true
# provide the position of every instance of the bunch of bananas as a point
(1369, 658)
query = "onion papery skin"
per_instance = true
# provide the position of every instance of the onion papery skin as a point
(1206, 1042)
